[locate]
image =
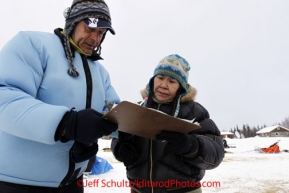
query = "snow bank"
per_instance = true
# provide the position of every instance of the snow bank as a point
(243, 170)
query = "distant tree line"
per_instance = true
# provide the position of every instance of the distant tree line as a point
(285, 122)
(246, 130)
(250, 131)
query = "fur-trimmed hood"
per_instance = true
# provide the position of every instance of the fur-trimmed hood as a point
(190, 96)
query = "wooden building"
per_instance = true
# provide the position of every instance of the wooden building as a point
(226, 134)
(273, 131)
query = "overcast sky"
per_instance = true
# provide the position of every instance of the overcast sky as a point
(238, 49)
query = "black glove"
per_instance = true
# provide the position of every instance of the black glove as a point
(82, 152)
(128, 154)
(85, 126)
(122, 136)
(179, 143)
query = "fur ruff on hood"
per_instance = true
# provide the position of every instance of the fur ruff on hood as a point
(190, 96)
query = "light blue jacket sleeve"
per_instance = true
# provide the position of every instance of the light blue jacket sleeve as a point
(22, 66)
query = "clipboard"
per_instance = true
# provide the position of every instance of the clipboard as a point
(145, 122)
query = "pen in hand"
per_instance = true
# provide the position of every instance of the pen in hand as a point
(145, 99)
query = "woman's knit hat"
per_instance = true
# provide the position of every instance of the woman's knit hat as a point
(95, 14)
(176, 67)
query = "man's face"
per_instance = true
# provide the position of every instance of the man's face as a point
(87, 39)
(165, 88)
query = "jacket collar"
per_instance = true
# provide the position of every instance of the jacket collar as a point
(60, 33)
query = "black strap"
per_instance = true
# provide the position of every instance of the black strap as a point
(70, 172)
(88, 82)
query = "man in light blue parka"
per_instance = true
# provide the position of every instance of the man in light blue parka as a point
(52, 96)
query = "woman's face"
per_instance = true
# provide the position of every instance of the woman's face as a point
(165, 88)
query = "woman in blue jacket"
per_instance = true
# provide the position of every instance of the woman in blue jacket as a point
(53, 92)
(175, 162)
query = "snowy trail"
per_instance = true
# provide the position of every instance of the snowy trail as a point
(243, 171)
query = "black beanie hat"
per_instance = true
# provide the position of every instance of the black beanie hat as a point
(81, 9)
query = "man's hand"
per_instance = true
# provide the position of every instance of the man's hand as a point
(84, 126)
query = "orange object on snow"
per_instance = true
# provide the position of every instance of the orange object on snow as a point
(272, 149)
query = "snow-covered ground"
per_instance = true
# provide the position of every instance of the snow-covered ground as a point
(242, 170)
